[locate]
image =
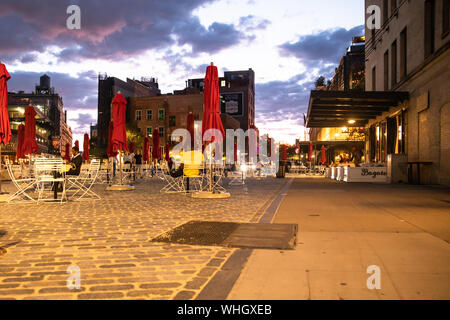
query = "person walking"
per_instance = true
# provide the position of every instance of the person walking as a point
(138, 163)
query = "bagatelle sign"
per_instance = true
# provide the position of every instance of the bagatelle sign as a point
(373, 172)
(368, 174)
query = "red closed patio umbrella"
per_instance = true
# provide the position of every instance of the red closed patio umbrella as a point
(156, 152)
(67, 152)
(211, 120)
(20, 138)
(167, 152)
(109, 151)
(77, 144)
(145, 152)
(284, 152)
(30, 145)
(310, 153)
(211, 102)
(322, 155)
(190, 125)
(5, 129)
(85, 155)
(119, 136)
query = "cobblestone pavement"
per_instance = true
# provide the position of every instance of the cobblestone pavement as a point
(109, 240)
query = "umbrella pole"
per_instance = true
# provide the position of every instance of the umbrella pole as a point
(210, 169)
(1, 169)
(121, 166)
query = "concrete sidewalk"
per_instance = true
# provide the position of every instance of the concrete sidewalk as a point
(343, 229)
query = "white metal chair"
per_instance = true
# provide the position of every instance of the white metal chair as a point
(23, 185)
(49, 172)
(237, 177)
(82, 184)
(173, 184)
(269, 170)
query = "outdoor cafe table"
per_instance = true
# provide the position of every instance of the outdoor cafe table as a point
(58, 175)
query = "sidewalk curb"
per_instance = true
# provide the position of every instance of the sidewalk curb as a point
(220, 286)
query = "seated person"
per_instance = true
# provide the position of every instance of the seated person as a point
(194, 157)
(75, 162)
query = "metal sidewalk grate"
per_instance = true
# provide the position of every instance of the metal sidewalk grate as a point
(231, 234)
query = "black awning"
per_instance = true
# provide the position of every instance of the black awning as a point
(328, 109)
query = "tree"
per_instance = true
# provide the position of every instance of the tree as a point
(320, 82)
(134, 135)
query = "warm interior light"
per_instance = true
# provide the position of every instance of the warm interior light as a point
(351, 121)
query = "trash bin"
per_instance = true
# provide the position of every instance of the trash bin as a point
(281, 170)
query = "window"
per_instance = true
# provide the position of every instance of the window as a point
(161, 114)
(386, 70)
(385, 10)
(394, 64)
(161, 132)
(223, 83)
(429, 27)
(403, 54)
(149, 114)
(374, 79)
(393, 6)
(172, 121)
(149, 131)
(138, 115)
(445, 16)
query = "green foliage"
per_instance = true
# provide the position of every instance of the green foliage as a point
(97, 152)
(135, 135)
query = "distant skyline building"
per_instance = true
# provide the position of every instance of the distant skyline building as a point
(107, 88)
(52, 130)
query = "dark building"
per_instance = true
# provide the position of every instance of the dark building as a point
(107, 88)
(349, 75)
(237, 95)
(51, 119)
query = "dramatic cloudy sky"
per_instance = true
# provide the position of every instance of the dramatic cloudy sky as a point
(288, 43)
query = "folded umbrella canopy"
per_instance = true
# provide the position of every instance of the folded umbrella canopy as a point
(284, 152)
(322, 155)
(67, 152)
(5, 129)
(30, 145)
(85, 155)
(156, 152)
(145, 152)
(20, 138)
(119, 136)
(211, 120)
(190, 125)
(211, 102)
(109, 151)
(167, 153)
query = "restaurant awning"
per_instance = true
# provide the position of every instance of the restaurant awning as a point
(329, 109)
